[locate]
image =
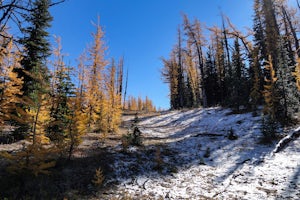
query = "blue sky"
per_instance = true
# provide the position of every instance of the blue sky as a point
(142, 31)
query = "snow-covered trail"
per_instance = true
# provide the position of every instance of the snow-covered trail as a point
(188, 155)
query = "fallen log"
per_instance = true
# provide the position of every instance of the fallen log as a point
(286, 140)
(207, 134)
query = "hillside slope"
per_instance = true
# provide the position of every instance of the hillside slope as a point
(189, 155)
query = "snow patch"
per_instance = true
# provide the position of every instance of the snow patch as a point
(196, 160)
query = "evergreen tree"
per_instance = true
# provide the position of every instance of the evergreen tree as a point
(62, 90)
(259, 52)
(219, 55)
(34, 157)
(239, 94)
(211, 80)
(255, 93)
(288, 94)
(34, 71)
(259, 34)
(37, 49)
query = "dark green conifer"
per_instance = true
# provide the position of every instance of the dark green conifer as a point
(36, 49)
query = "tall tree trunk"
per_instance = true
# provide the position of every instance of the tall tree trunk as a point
(120, 76)
(197, 42)
(293, 30)
(180, 88)
(34, 127)
(227, 48)
(125, 91)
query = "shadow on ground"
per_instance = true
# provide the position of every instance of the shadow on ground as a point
(70, 179)
(73, 179)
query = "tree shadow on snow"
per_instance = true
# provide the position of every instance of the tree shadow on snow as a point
(187, 146)
(191, 149)
(293, 186)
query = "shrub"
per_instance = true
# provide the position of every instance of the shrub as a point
(133, 136)
(232, 135)
(207, 153)
(98, 177)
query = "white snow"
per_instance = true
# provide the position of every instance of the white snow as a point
(187, 155)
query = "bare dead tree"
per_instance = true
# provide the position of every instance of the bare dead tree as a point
(288, 22)
(125, 91)
(233, 31)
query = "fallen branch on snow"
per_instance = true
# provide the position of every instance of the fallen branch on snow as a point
(208, 134)
(287, 139)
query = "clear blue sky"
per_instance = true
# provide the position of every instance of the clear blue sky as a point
(141, 30)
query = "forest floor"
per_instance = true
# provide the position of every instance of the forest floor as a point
(189, 154)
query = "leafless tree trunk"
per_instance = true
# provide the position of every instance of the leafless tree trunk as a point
(125, 91)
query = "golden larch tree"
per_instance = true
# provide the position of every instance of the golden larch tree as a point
(34, 156)
(140, 103)
(96, 104)
(270, 92)
(297, 73)
(10, 84)
(114, 99)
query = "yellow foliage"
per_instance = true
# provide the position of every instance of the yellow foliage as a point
(10, 84)
(297, 73)
(132, 104)
(35, 159)
(99, 177)
(39, 117)
(32, 157)
(78, 125)
(269, 93)
(140, 103)
(94, 94)
(137, 104)
(148, 105)
(114, 107)
(192, 74)
(102, 99)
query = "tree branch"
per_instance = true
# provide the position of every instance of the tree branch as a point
(56, 3)
(239, 35)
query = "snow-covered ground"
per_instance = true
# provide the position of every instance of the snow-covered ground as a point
(188, 155)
